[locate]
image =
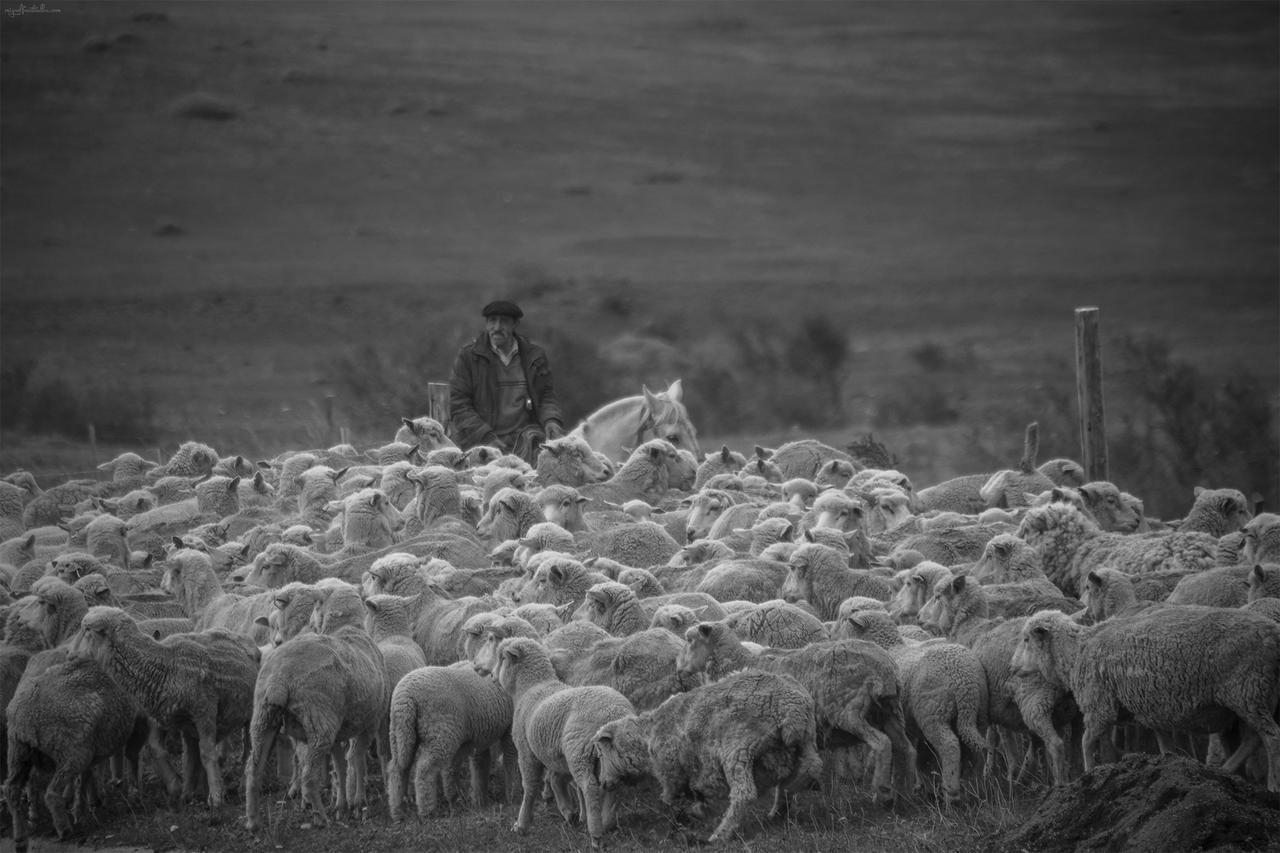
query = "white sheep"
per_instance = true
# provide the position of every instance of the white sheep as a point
(554, 728)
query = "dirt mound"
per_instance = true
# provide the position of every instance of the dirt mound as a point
(1150, 803)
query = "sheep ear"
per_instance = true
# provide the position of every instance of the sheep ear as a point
(178, 543)
(233, 485)
(1040, 631)
(261, 620)
(565, 612)
(655, 453)
(338, 474)
(788, 533)
(1197, 490)
(958, 583)
(407, 422)
(705, 628)
(371, 605)
(761, 453)
(1258, 572)
(808, 535)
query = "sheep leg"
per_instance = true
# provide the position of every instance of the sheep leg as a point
(591, 796)
(254, 769)
(904, 755)
(160, 759)
(55, 797)
(207, 747)
(742, 790)
(338, 777)
(1259, 726)
(566, 801)
(531, 771)
(20, 761)
(191, 759)
(946, 745)
(449, 774)
(510, 770)
(1041, 725)
(426, 769)
(315, 765)
(881, 746)
(480, 767)
(357, 771)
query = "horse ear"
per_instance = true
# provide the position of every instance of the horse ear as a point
(675, 391)
(650, 399)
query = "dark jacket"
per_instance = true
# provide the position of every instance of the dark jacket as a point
(473, 390)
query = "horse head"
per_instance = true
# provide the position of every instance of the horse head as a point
(664, 416)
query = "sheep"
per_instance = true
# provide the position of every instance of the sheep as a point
(191, 459)
(1223, 586)
(960, 611)
(1108, 508)
(510, 514)
(959, 494)
(554, 728)
(127, 468)
(749, 579)
(1262, 539)
(640, 666)
(944, 690)
(640, 543)
(216, 498)
(439, 717)
(426, 433)
(1063, 472)
(1216, 512)
(198, 684)
(1070, 545)
(1108, 591)
(324, 689)
(1009, 489)
(190, 579)
(646, 475)
(751, 728)
(391, 628)
(438, 620)
(1007, 559)
(545, 618)
(723, 461)
(71, 715)
(777, 624)
(953, 545)
(369, 522)
(835, 474)
(854, 685)
(818, 575)
(616, 607)
(558, 580)
(24, 506)
(1264, 582)
(1174, 669)
(569, 460)
(916, 589)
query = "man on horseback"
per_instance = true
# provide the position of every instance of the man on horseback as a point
(500, 392)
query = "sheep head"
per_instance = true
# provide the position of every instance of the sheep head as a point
(101, 631)
(621, 752)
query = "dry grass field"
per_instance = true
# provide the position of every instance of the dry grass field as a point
(827, 218)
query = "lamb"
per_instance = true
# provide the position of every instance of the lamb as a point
(616, 608)
(1007, 559)
(1070, 546)
(1223, 586)
(558, 580)
(944, 690)
(438, 620)
(554, 728)
(854, 685)
(953, 545)
(817, 574)
(1063, 472)
(198, 684)
(836, 510)
(750, 579)
(439, 717)
(391, 627)
(750, 728)
(724, 461)
(1217, 512)
(917, 589)
(324, 689)
(191, 459)
(777, 624)
(71, 715)
(639, 543)
(216, 498)
(640, 666)
(1174, 669)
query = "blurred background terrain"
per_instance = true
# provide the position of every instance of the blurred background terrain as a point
(264, 225)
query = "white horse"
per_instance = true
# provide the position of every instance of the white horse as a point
(616, 428)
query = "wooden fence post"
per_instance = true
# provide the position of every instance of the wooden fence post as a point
(438, 402)
(1093, 426)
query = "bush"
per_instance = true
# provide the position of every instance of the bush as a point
(118, 413)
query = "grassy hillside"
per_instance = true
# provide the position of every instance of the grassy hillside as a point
(224, 212)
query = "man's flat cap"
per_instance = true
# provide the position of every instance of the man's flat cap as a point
(502, 308)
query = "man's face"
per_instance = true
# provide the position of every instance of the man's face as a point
(501, 331)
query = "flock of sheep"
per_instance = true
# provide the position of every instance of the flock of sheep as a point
(724, 625)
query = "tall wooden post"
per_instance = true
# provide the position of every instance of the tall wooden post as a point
(438, 402)
(1093, 426)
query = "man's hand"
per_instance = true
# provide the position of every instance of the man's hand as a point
(554, 430)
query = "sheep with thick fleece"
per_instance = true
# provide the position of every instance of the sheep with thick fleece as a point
(215, 498)
(559, 580)
(562, 505)
(510, 514)
(640, 666)
(817, 574)
(646, 475)
(388, 623)
(751, 728)
(323, 689)
(441, 716)
(952, 545)
(569, 460)
(944, 690)
(637, 543)
(705, 508)
(1222, 586)
(1063, 472)
(198, 684)
(723, 461)
(543, 536)
(1262, 539)
(71, 715)
(917, 588)
(1107, 592)
(1070, 545)
(616, 607)
(1006, 558)
(438, 621)
(1264, 582)
(854, 685)
(1188, 668)
(836, 510)
(749, 579)
(191, 459)
(1217, 512)
(554, 728)
(777, 624)
(425, 432)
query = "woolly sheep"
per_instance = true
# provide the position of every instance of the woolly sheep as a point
(191, 459)
(70, 715)
(323, 689)
(777, 624)
(944, 690)
(439, 717)
(427, 433)
(510, 514)
(190, 579)
(569, 460)
(646, 475)
(198, 684)
(1104, 502)
(751, 728)
(854, 685)
(1070, 545)
(1262, 539)
(1007, 559)
(640, 666)
(1217, 512)
(1264, 582)
(554, 727)
(616, 607)
(545, 618)
(391, 628)
(1223, 586)
(723, 461)
(748, 579)
(1063, 472)
(1186, 668)
(818, 575)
